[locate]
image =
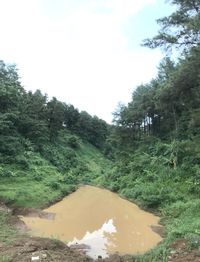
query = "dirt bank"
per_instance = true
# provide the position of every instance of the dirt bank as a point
(26, 249)
(182, 253)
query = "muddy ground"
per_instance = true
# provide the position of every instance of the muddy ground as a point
(28, 249)
(25, 248)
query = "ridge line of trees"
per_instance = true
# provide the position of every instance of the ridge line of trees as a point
(29, 118)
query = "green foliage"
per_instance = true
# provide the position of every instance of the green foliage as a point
(7, 232)
(73, 141)
(35, 180)
(22, 161)
(53, 184)
(4, 173)
(158, 153)
(162, 176)
(194, 240)
(45, 154)
(180, 29)
(60, 156)
(29, 122)
(166, 108)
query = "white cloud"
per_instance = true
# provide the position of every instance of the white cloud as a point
(80, 54)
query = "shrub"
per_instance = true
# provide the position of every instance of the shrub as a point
(53, 183)
(193, 239)
(70, 178)
(73, 142)
(22, 161)
(6, 173)
(37, 176)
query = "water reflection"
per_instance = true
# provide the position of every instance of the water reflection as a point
(100, 219)
(99, 240)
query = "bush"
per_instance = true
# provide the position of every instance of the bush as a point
(20, 173)
(53, 183)
(22, 161)
(11, 145)
(73, 142)
(6, 173)
(153, 195)
(193, 239)
(37, 176)
(70, 178)
(62, 157)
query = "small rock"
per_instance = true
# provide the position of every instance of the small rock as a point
(44, 256)
(99, 257)
(173, 252)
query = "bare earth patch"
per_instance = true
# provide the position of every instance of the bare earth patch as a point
(27, 248)
(182, 253)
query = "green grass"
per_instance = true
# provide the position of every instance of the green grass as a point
(30, 193)
(94, 159)
(37, 182)
(7, 231)
(35, 187)
(145, 179)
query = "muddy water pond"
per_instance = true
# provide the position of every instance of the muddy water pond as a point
(99, 220)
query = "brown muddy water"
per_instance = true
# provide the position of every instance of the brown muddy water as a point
(99, 219)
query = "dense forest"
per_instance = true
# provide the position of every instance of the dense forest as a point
(150, 154)
(157, 135)
(30, 118)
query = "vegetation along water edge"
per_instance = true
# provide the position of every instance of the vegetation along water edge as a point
(149, 155)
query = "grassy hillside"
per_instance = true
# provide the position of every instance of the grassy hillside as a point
(37, 180)
(149, 177)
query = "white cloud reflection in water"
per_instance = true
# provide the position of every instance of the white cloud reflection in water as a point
(98, 241)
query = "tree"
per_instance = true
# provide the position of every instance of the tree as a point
(181, 29)
(71, 117)
(33, 122)
(10, 89)
(11, 95)
(55, 112)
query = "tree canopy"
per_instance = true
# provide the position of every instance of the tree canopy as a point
(27, 116)
(181, 29)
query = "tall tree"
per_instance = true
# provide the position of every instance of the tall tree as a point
(33, 123)
(11, 94)
(71, 117)
(56, 112)
(181, 29)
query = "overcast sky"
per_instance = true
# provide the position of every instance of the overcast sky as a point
(84, 52)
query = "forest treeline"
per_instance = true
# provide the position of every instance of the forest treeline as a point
(156, 136)
(168, 107)
(30, 119)
(154, 142)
